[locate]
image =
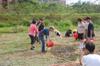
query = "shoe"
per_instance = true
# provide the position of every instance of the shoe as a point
(32, 48)
(44, 52)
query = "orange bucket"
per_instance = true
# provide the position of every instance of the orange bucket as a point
(50, 43)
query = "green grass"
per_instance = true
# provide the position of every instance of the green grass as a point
(13, 42)
(13, 29)
(15, 51)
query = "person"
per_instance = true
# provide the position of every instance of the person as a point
(57, 32)
(44, 37)
(68, 33)
(40, 24)
(80, 29)
(90, 31)
(86, 27)
(88, 58)
(33, 31)
(75, 35)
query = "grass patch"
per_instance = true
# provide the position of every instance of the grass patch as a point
(14, 51)
(14, 29)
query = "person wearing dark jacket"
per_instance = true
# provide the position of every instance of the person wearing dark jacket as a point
(40, 24)
(90, 31)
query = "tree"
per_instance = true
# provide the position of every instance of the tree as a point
(86, 7)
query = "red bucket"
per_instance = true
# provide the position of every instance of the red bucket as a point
(50, 43)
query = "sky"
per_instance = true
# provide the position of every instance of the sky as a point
(74, 1)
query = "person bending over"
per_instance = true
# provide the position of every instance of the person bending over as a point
(44, 37)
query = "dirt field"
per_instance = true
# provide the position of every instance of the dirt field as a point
(14, 51)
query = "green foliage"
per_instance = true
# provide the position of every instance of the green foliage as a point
(86, 7)
(58, 15)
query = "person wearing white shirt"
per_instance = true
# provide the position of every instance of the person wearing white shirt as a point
(81, 32)
(86, 27)
(89, 58)
(80, 29)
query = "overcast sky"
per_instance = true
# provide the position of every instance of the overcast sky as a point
(74, 1)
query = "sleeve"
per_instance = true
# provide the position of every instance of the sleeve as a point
(83, 61)
(36, 29)
(47, 32)
(85, 27)
(91, 27)
(38, 23)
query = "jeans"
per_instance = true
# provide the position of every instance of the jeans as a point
(42, 40)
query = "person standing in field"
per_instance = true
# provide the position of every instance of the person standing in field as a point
(86, 28)
(33, 31)
(90, 31)
(40, 24)
(81, 31)
(88, 58)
